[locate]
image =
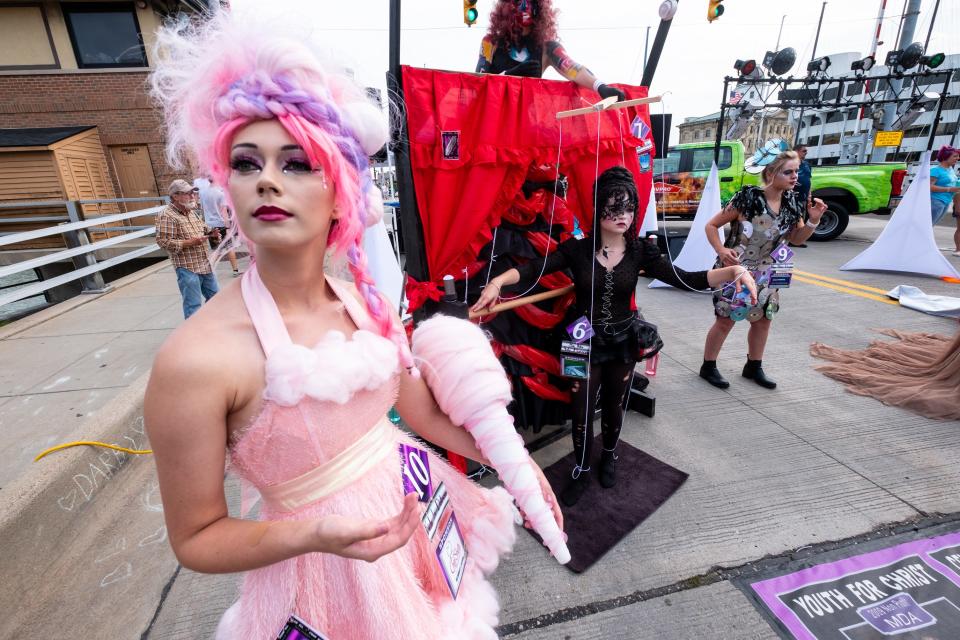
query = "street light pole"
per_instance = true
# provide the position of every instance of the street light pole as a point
(895, 86)
(650, 67)
(411, 227)
(813, 56)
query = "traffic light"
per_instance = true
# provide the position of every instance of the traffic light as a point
(745, 67)
(470, 12)
(934, 61)
(714, 9)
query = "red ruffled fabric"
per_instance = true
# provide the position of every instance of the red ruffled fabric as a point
(504, 125)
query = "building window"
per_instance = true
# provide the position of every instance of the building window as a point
(104, 35)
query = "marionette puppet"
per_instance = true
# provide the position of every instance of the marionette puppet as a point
(609, 336)
(363, 532)
(522, 41)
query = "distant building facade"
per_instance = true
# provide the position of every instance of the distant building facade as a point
(844, 135)
(763, 127)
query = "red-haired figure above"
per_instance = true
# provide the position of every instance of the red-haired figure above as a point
(293, 392)
(522, 41)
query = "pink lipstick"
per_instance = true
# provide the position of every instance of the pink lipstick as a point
(268, 213)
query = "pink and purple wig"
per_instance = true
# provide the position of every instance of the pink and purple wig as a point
(217, 76)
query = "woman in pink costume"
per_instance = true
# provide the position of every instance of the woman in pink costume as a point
(288, 374)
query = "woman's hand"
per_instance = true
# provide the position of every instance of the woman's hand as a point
(367, 539)
(728, 256)
(488, 297)
(815, 209)
(744, 279)
(548, 495)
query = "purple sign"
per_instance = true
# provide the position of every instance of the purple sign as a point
(780, 279)
(783, 253)
(415, 467)
(581, 330)
(910, 586)
(897, 613)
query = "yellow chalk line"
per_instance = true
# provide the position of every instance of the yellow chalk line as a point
(845, 283)
(853, 292)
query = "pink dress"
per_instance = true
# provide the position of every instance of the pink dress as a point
(321, 445)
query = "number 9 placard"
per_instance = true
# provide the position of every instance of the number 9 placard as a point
(782, 254)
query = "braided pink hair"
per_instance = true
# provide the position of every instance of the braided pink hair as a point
(219, 75)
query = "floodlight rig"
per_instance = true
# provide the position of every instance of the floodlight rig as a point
(872, 100)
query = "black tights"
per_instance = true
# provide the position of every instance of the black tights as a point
(612, 380)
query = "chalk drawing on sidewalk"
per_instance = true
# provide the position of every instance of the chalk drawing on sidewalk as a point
(157, 536)
(151, 498)
(107, 462)
(122, 572)
(119, 546)
(69, 501)
(56, 383)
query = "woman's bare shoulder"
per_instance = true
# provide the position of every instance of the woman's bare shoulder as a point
(219, 337)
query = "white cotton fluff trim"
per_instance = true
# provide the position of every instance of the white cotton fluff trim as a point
(470, 386)
(333, 370)
(368, 125)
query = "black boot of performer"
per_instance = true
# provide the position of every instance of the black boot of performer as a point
(572, 493)
(754, 371)
(710, 373)
(608, 469)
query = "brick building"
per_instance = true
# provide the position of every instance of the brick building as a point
(773, 124)
(81, 64)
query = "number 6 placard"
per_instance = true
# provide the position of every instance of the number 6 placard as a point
(581, 330)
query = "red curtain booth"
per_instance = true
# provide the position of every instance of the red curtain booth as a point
(473, 138)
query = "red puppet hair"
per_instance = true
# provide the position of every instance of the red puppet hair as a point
(504, 26)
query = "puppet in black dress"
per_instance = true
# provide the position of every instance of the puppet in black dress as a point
(762, 221)
(606, 266)
(522, 41)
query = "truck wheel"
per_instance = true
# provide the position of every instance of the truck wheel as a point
(833, 222)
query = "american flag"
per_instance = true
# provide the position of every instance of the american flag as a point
(735, 96)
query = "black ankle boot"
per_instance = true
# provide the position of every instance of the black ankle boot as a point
(572, 493)
(754, 371)
(608, 469)
(710, 373)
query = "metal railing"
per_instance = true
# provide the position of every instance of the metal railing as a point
(80, 250)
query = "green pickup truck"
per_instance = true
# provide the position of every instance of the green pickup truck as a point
(679, 177)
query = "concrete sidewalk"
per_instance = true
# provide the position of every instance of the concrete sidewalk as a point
(81, 520)
(770, 472)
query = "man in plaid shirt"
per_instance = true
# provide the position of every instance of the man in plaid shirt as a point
(182, 234)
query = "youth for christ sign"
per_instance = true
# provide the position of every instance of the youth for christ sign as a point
(910, 591)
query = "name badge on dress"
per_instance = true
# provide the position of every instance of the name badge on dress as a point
(433, 514)
(437, 516)
(781, 272)
(581, 330)
(297, 629)
(573, 360)
(415, 472)
(452, 555)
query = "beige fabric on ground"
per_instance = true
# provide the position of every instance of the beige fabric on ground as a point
(917, 371)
